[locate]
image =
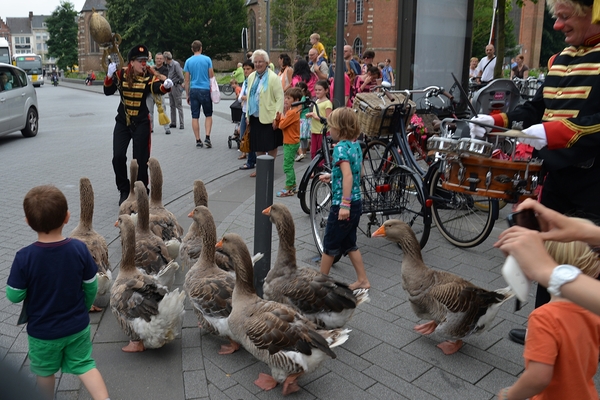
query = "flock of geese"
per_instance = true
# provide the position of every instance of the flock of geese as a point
(303, 314)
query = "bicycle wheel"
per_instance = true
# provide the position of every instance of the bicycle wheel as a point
(398, 195)
(464, 220)
(227, 89)
(321, 195)
(305, 185)
(377, 158)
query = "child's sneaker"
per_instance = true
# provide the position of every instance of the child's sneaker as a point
(299, 157)
(199, 143)
(287, 192)
(207, 143)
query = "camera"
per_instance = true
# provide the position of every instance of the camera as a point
(524, 218)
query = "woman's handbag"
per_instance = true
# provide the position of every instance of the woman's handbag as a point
(215, 93)
(245, 143)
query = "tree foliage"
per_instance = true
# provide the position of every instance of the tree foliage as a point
(298, 19)
(482, 21)
(173, 25)
(62, 29)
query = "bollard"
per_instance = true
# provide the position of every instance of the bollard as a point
(262, 225)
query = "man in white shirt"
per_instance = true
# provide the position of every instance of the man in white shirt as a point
(487, 64)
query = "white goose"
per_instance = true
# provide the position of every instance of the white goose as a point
(456, 307)
(95, 243)
(148, 314)
(272, 332)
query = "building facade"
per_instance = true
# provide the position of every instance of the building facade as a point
(30, 35)
(90, 54)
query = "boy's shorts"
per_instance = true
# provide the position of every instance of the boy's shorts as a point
(72, 354)
(200, 99)
(340, 236)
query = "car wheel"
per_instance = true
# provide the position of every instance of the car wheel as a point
(31, 125)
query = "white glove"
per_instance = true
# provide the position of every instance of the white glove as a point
(112, 68)
(168, 84)
(539, 132)
(480, 131)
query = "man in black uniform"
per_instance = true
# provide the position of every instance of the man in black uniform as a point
(134, 82)
(565, 120)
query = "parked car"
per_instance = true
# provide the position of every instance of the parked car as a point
(18, 102)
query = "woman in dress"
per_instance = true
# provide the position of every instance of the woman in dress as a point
(285, 71)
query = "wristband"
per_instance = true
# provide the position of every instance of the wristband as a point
(347, 199)
(344, 207)
(503, 395)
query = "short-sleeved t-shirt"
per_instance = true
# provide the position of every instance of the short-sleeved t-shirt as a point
(315, 125)
(346, 151)
(53, 275)
(320, 48)
(197, 66)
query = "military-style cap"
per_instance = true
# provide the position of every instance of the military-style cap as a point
(139, 51)
(588, 3)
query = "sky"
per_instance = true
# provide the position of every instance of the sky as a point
(21, 8)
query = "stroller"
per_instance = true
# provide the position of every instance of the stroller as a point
(236, 117)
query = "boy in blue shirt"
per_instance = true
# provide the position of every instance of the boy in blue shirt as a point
(56, 276)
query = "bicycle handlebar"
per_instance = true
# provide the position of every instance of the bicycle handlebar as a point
(307, 103)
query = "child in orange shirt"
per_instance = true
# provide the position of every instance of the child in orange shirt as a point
(562, 341)
(289, 123)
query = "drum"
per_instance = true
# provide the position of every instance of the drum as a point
(513, 181)
(442, 144)
(475, 147)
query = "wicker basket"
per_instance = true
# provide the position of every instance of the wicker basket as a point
(374, 116)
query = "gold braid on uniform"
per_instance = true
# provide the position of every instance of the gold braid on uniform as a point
(132, 92)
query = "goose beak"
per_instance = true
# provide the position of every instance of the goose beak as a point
(191, 214)
(379, 232)
(219, 244)
(267, 211)
(117, 223)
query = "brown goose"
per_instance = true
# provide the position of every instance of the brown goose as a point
(151, 254)
(208, 287)
(320, 298)
(162, 222)
(95, 242)
(129, 206)
(456, 307)
(274, 333)
(148, 314)
(191, 245)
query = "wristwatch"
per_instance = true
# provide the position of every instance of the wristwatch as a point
(560, 275)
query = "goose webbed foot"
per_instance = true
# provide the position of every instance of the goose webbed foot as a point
(290, 385)
(265, 382)
(229, 348)
(427, 328)
(450, 346)
(134, 346)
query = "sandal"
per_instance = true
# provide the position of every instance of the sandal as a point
(253, 175)
(246, 166)
(286, 193)
(242, 157)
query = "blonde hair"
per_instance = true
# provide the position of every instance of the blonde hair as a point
(474, 59)
(579, 9)
(315, 36)
(575, 253)
(344, 119)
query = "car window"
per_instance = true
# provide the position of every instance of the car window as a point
(8, 80)
(22, 77)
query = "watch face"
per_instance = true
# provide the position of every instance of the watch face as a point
(567, 272)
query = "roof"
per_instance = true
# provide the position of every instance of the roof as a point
(18, 25)
(37, 21)
(97, 4)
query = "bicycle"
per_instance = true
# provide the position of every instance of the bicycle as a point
(227, 89)
(465, 220)
(390, 189)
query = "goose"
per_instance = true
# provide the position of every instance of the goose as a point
(456, 307)
(320, 298)
(272, 332)
(148, 313)
(129, 206)
(162, 222)
(151, 254)
(208, 287)
(95, 242)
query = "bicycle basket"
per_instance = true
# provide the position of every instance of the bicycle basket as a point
(375, 113)
(384, 193)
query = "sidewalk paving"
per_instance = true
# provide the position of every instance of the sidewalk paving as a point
(383, 358)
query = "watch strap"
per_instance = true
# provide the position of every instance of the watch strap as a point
(560, 275)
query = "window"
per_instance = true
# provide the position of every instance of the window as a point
(278, 41)
(346, 11)
(357, 46)
(38, 37)
(27, 40)
(39, 46)
(359, 10)
(252, 30)
(94, 48)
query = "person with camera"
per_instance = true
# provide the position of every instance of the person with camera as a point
(175, 75)
(564, 122)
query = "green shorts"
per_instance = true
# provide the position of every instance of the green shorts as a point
(71, 354)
